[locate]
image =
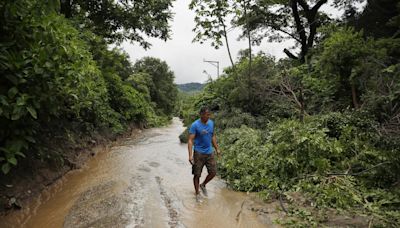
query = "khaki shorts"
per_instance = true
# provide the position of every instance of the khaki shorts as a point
(203, 159)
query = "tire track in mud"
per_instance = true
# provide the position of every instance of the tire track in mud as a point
(135, 197)
(172, 212)
(105, 206)
(97, 207)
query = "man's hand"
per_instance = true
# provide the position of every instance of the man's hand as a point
(218, 152)
(191, 160)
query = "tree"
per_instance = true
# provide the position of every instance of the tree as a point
(288, 19)
(276, 20)
(211, 22)
(378, 19)
(163, 91)
(293, 19)
(117, 21)
(365, 73)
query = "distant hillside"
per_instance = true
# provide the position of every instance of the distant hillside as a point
(191, 87)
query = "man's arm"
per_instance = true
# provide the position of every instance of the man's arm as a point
(214, 142)
(190, 147)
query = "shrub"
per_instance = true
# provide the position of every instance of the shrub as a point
(48, 74)
(335, 160)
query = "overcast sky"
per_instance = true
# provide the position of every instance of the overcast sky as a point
(186, 58)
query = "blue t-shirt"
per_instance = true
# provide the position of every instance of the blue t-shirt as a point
(203, 136)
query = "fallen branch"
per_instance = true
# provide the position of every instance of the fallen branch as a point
(358, 173)
(344, 174)
(238, 214)
(281, 203)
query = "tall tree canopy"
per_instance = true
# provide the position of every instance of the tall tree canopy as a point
(163, 91)
(378, 19)
(275, 20)
(122, 20)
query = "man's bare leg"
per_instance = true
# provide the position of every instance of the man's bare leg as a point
(209, 177)
(196, 181)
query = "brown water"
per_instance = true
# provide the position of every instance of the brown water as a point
(142, 182)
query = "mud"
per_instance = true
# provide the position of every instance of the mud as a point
(141, 182)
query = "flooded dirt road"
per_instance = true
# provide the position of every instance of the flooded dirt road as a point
(141, 182)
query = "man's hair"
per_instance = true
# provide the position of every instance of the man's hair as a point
(204, 109)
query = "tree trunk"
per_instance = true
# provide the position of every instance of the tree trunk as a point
(251, 97)
(227, 43)
(245, 5)
(311, 14)
(300, 30)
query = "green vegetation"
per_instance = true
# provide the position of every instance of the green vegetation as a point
(190, 87)
(163, 91)
(59, 76)
(319, 130)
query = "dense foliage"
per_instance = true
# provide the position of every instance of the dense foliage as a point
(163, 91)
(319, 130)
(190, 87)
(117, 21)
(58, 77)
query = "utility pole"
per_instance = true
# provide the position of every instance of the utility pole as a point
(214, 63)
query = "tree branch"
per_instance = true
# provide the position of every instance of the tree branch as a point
(289, 54)
(226, 41)
(313, 31)
(316, 7)
(286, 32)
(300, 28)
(288, 89)
(304, 5)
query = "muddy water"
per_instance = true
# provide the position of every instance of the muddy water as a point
(142, 182)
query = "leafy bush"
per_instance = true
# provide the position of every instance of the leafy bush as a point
(125, 99)
(335, 160)
(54, 75)
(163, 91)
(243, 160)
(183, 137)
(48, 74)
(235, 118)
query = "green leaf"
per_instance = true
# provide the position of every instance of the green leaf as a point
(75, 96)
(30, 139)
(38, 70)
(32, 111)
(17, 113)
(6, 168)
(48, 65)
(13, 161)
(390, 69)
(20, 154)
(12, 92)
(3, 100)
(20, 101)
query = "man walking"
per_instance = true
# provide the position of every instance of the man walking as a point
(201, 135)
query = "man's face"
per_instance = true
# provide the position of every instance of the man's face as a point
(205, 116)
